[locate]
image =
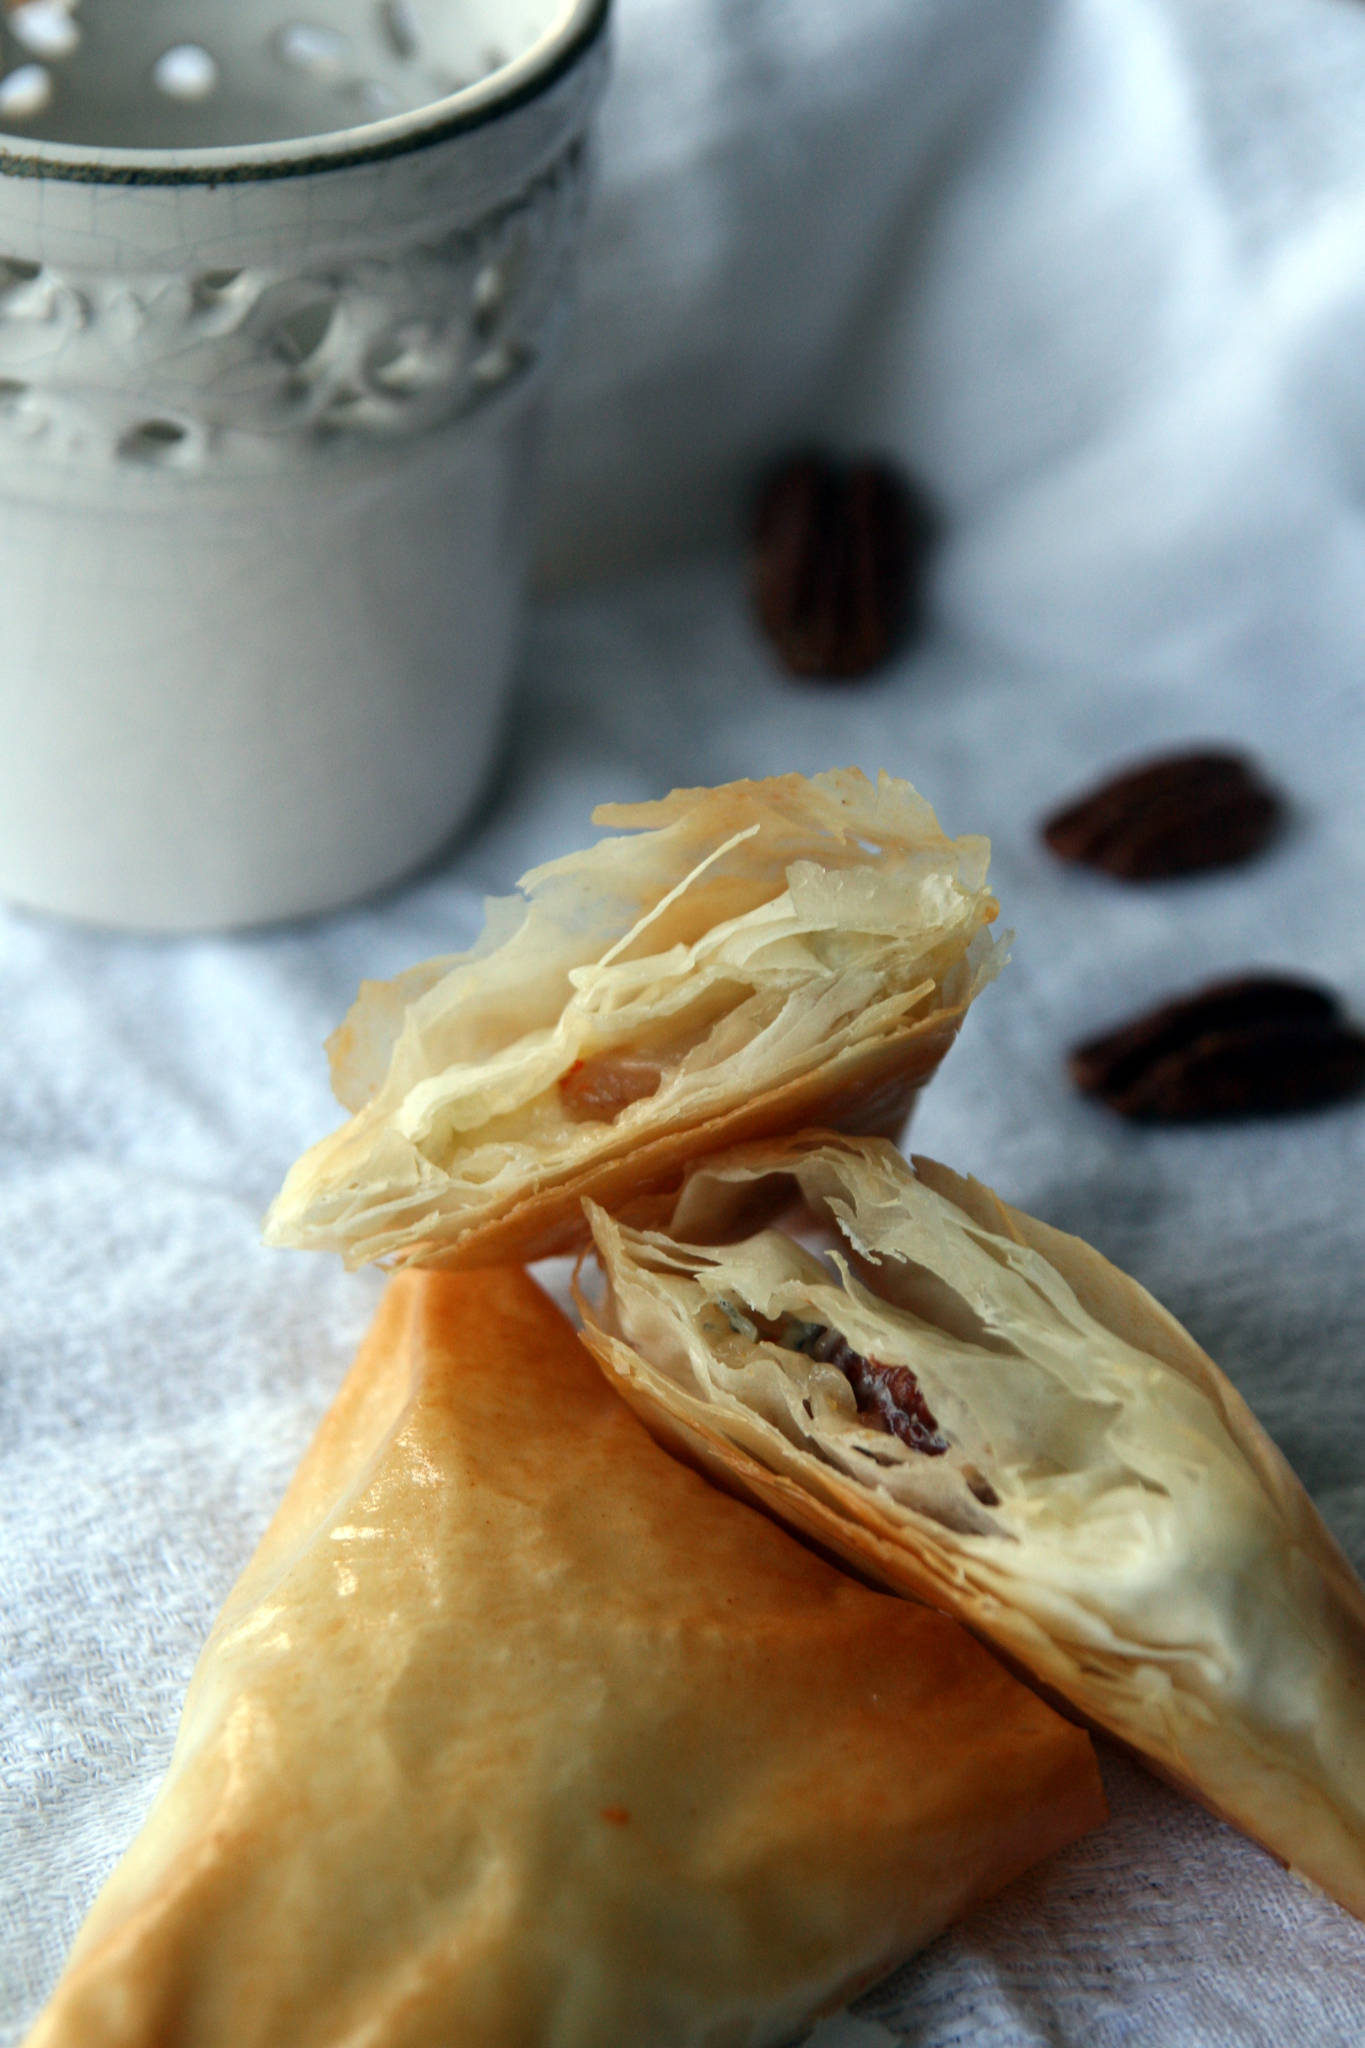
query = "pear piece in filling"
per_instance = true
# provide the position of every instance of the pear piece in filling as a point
(980, 1411)
(736, 962)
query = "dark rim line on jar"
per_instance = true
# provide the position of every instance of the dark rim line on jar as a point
(399, 135)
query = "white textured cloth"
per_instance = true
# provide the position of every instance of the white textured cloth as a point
(1097, 268)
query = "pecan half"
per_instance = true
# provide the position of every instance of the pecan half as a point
(1172, 816)
(1257, 1046)
(839, 553)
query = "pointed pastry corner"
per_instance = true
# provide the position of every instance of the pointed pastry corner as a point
(736, 963)
(980, 1411)
(515, 1729)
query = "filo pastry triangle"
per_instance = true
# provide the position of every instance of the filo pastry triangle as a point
(980, 1411)
(731, 963)
(516, 1733)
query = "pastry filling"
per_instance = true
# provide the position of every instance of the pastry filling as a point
(889, 1397)
(597, 1090)
(789, 1362)
(945, 1364)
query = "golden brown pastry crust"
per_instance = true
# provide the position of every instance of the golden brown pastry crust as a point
(1205, 1616)
(514, 1731)
(792, 951)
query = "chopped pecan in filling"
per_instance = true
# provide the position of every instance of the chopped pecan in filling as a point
(598, 1089)
(889, 1397)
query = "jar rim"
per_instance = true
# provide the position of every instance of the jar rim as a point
(525, 78)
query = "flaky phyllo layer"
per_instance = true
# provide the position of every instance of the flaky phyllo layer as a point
(740, 961)
(514, 1734)
(984, 1413)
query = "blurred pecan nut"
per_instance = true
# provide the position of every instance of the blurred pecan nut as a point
(1171, 816)
(1257, 1046)
(838, 559)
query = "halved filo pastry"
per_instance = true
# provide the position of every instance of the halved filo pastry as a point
(980, 1411)
(515, 1732)
(736, 962)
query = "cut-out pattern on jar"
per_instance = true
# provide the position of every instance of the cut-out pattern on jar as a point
(44, 28)
(294, 321)
(218, 296)
(132, 75)
(25, 92)
(304, 46)
(412, 358)
(156, 442)
(398, 26)
(247, 361)
(17, 270)
(266, 521)
(186, 72)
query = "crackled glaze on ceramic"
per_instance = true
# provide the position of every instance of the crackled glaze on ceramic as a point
(252, 365)
(268, 413)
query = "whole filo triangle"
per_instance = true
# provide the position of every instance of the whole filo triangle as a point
(517, 1731)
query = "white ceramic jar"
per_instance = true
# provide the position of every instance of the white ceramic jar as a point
(276, 298)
